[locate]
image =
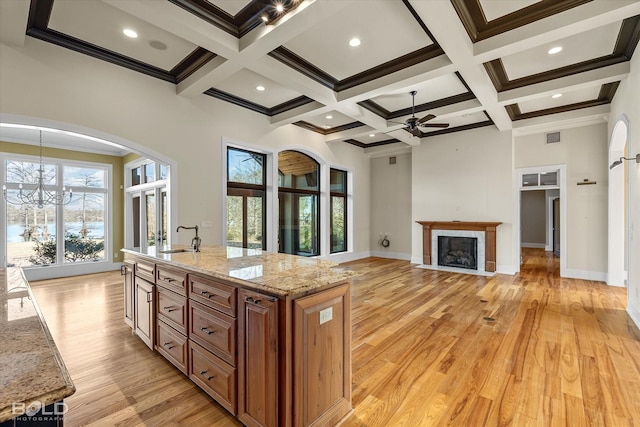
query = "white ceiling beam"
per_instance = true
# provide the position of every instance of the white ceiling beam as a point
(597, 77)
(443, 21)
(571, 22)
(293, 115)
(566, 120)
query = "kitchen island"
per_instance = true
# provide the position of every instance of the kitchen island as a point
(33, 378)
(267, 335)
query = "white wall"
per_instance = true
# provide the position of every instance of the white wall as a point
(44, 81)
(626, 103)
(391, 206)
(584, 151)
(465, 176)
(533, 219)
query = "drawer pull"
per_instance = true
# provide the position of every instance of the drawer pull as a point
(169, 309)
(208, 377)
(205, 293)
(168, 345)
(168, 279)
(206, 330)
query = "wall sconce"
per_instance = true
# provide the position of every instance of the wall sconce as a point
(619, 162)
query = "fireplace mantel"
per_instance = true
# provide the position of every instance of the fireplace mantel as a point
(489, 229)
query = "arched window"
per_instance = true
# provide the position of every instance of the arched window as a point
(299, 208)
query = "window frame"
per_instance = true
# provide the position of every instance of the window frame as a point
(344, 195)
(246, 190)
(59, 164)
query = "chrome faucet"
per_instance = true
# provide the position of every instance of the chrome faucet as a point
(195, 242)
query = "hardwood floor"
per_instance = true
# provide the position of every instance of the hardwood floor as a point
(429, 349)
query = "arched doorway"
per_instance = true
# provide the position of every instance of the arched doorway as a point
(617, 209)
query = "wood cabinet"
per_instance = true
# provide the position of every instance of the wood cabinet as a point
(258, 368)
(273, 360)
(144, 315)
(127, 271)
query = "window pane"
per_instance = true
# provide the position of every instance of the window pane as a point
(245, 167)
(338, 181)
(338, 231)
(84, 177)
(151, 219)
(150, 172)
(135, 176)
(549, 178)
(137, 215)
(297, 170)
(163, 210)
(163, 171)
(255, 209)
(84, 221)
(306, 224)
(530, 180)
(31, 234)
(234, 221)
(28, 172)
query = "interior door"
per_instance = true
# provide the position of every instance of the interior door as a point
(556, 226)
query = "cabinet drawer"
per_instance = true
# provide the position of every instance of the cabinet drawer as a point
(213, 375)
(146, 270)
(174, 280)
(173, 346)
(213, 330)
(172, 308)
(213, 294)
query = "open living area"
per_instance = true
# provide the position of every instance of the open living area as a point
(320, 212)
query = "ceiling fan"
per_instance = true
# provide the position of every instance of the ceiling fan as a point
(413, 124)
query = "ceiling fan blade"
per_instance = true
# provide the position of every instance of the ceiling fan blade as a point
(426, 118)
(435, 125)
(416, 132)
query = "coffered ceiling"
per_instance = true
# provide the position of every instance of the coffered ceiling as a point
(472, 63)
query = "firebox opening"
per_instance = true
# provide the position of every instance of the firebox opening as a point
(460, 252)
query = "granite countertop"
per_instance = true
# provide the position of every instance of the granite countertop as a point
(31, 369)
(280, 274)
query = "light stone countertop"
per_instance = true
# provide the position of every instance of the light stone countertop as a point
(276, 273)
(31, 369)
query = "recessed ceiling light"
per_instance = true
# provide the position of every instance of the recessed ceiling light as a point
(279, 7)
(130, 33)
(329, 117)
(371, 135)
(260, 88)
(354, 42)
(265, 18)
(556, 96)
(555, 50)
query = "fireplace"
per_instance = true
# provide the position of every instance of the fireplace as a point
(484, 232)
(459, 252)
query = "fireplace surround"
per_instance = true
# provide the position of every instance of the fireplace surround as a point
(484, 231)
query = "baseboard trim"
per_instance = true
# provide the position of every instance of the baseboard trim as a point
(533, 245)
(507, 269)
(598, 276)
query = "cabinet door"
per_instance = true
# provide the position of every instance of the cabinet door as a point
(258, 360)
(144, 311)
(127, 273)
(322, 357)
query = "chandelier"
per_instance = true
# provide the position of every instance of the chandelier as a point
(39, 196)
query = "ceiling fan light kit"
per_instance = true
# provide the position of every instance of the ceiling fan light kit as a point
(413, 123)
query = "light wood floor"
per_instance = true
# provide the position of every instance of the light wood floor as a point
(557, 352)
